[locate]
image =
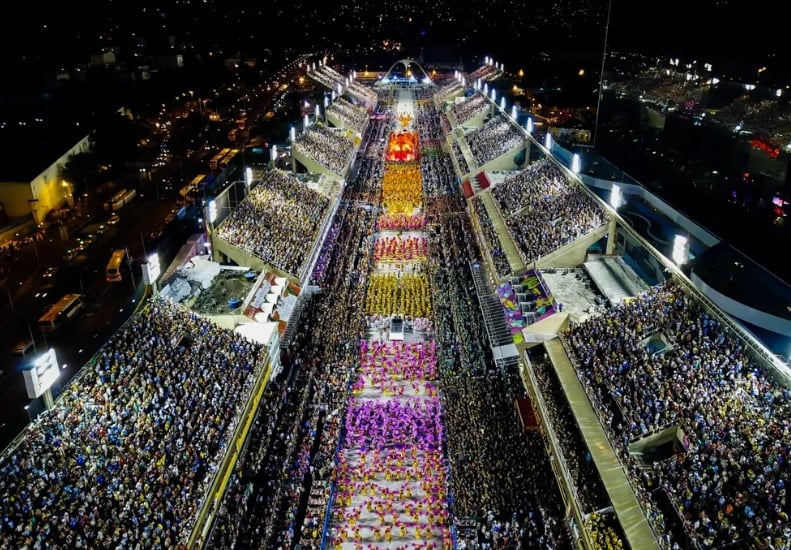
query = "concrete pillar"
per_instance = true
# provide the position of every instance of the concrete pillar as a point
(611, 235)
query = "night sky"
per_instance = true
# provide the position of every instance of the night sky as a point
(735, 36)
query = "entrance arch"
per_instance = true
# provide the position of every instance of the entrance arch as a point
(405, 62)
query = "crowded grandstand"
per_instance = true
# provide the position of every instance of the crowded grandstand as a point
(400, 419)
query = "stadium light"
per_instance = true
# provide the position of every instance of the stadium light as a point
(318, 112)
(292, 134)
(680, 253)
(548, 141)
(616, 197)
(248, 176)
(529, 125)
(306, 122)
(502, 103)
(513, 111)
(494, 94)
(575, 163)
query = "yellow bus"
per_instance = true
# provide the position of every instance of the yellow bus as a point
(113, 270)
(228, 157)
(68, 307)
(193, 186)
(214, 163)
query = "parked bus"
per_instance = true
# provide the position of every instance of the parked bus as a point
(120, 199)
(113, 270)
(227, 158)
(194, 186)
(116, 199)
(214, 163)
(68, 307)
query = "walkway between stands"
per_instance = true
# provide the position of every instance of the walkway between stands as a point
(506, 242)
(627, 508)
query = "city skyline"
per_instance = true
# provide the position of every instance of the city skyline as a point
(733, 36)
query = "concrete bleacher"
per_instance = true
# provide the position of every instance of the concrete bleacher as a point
(616, 280)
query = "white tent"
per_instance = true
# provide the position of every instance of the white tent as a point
(257, 332)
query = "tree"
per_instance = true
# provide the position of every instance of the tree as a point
(81, 170)
(116, 138)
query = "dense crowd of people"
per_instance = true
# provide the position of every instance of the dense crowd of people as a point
(490, 237)
(391, 482)
(349, 115)
(328, 76)
(498, 471)
(446, 91)
(545, 210)
(402, 191)
(729, 482)
(400, 249)
(458, 154)
(257, 511)
(417, 444)
(362, 94)
(469, 107)
(404, 294)
(396, 222)
(487, 71)
(279, 221)
(590, 491)
(493, 138)
(333, 148)
(125, 457)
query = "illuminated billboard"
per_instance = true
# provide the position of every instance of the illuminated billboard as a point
(41, 373)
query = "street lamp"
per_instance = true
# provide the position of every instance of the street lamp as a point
(67, 193)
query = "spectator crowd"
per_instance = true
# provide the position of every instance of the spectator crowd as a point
(418, 444)
(544, 209)
(728, 484)
(126, 455)
(497, 136)
(349, 115)
(332, 148)
(279, 221)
